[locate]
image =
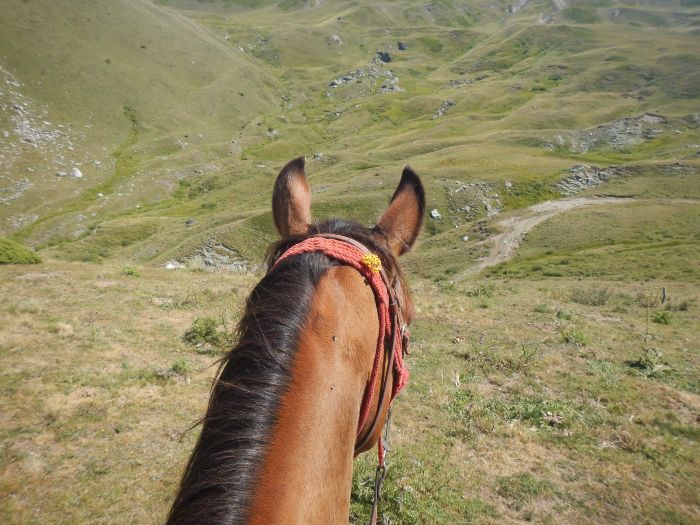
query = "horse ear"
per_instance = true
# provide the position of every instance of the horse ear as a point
(403, 219)
(291, 200)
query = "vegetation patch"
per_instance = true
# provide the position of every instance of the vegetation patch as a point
(206, 334)
(521, 489)
(12, 252)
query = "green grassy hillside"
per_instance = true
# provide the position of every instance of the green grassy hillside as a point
(555, 373)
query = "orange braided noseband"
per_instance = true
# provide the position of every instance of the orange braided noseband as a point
(369, 265)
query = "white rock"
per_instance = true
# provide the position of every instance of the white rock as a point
(435, 214)
(465, 238)
(173, 265)
(76, 173)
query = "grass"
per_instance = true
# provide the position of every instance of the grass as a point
(553, 388)
(515, 400)
(12, 252)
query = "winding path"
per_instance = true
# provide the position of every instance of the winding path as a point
(515, 227)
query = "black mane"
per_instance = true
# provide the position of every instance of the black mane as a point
(217, 485)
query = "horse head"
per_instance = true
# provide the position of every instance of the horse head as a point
(318, 361)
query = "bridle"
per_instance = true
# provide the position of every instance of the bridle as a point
(393, 341)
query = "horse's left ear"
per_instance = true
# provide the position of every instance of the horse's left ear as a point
(403, 219)
(291, 200)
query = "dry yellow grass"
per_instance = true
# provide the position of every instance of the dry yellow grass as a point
(503, 421)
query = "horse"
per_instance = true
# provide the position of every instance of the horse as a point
(308, 385)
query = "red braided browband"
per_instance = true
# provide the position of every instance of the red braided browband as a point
(353, 256)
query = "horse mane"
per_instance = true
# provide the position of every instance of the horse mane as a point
(253, 377)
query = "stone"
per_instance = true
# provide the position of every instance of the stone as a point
(402, 46)
(173, 265)
(76, 173)
(384, 56)
(435, 214)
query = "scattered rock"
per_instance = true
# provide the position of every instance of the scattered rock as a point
(384, 56)
(435, 214)
(174, 265)
(619, 134)
(15, 190)
(465, 238)
(367, 77)
(189, 222)
(459, 82)
(98, 163)
(61, 174)
(552, 419)
(581, 176)
(467, 202)
(443, 108)
(402, 46)
(216, 256)
(334, 41)
(322, 189)
(318, 156)
(517, 6)
(76, 173)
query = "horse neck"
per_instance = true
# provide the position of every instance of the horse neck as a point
(307, 472)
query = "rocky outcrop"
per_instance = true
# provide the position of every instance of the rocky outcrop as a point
(619, 134)
(473, 200)
(383, 56)
(215, 256)
(447, 104)
(583, 176)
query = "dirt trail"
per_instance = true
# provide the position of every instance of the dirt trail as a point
(515, 227)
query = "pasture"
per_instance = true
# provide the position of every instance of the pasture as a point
(555, 373)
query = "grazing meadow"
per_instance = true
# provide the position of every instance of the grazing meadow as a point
(555, 365)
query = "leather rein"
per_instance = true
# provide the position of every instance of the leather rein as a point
(398, 328)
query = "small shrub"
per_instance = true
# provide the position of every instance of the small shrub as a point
(541, 309)
(130, 272)
(591, 296)
(482, 290)
(563, 314)
(572, 336)
(205, 330)
(12, 252)
(180, 367)
(650, 363)
(662, 318)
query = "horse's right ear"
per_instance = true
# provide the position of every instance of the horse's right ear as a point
(403, 218)
(291, 200)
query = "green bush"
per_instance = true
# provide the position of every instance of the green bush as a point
(205, 330)
(590, 296)
(12, 252)
(662, 318)
(572, 336)
(650, 363)
(130, 272)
